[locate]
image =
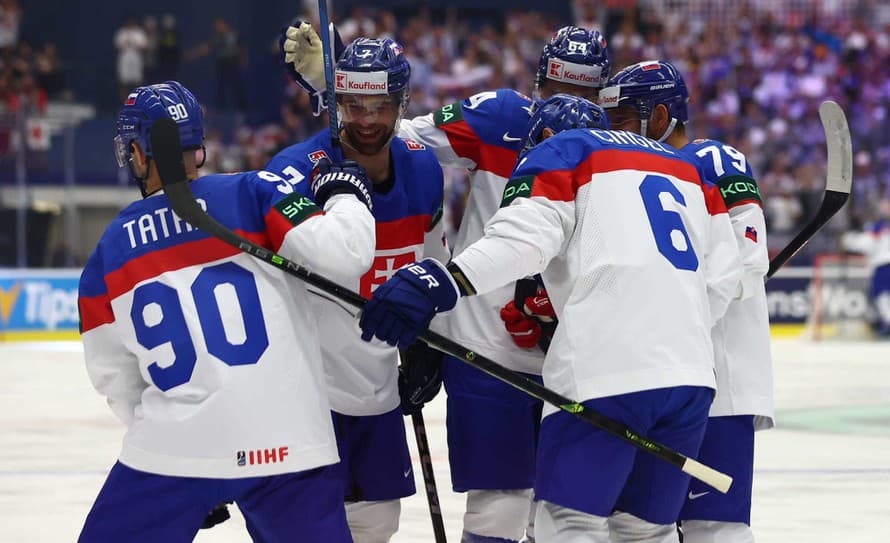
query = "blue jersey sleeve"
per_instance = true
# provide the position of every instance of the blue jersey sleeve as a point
(726, 167)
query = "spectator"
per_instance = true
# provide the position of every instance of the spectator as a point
(10, 17)
(169, 49)
(130, 42)
(225, 45)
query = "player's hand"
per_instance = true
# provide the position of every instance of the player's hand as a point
(403, 307)
(420, 376)
(347, 177)
(300, 50)
(525, 331)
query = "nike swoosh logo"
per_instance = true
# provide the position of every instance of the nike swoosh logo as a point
(694, 496)
(510, 139)
(407, 473)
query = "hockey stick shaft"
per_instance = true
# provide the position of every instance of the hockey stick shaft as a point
(327, 52)
(838, 182)
(429, 478)
(167, 152)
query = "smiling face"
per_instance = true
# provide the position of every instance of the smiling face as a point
(369, 121)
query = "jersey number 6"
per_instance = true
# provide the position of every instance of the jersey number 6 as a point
(670, 233)
(158, 319)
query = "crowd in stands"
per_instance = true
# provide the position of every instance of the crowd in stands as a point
(757, 71)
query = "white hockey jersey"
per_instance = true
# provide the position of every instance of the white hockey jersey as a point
(208, 355)
(483, 134)
(638, 256)
(362, 376)
(742, 337)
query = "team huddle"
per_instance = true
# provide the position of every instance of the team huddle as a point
(601, 253)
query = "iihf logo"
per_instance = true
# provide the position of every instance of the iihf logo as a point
(242, 458)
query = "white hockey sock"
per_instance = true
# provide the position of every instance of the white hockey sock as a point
(373, 522)
(712, 531)
(497, 513)
(626, 528)
(557, 524)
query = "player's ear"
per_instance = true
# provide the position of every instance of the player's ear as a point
(661, 118)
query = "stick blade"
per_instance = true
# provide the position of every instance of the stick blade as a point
(839, 145)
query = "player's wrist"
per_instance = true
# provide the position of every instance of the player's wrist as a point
(459, 278)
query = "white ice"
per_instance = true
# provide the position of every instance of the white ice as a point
(58, 439)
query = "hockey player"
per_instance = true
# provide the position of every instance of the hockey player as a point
(492, 429)
(408, 189)
(626, 237)
(210, 357)
(650, 98)
(874, 243)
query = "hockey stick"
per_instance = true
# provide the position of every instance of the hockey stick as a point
(167, 152)
(429, 478)
(837, 184)
(327, 52)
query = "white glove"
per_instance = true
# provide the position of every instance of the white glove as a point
(303, 49)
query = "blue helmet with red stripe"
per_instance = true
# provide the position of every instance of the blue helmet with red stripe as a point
(563, 112)
(576, 56)
(144, 106)
(645, 85)
(371, 66)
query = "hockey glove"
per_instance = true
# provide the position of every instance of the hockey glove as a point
(403, 307)
(525, 331)
(347, 177)
(420, 376)
(301, 53)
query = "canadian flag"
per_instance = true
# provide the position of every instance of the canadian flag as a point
(38, 134)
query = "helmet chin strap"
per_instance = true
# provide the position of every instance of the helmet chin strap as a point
(140, 180)
(644, 126)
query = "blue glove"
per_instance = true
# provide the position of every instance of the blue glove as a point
(403, 307)
(300, 51)
(347, 177)
(420, 376)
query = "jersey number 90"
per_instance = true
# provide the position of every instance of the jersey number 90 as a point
(158, 319)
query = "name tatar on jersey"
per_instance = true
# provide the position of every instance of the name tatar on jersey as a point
(163, 223)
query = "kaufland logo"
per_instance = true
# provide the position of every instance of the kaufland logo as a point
(609, 97)
(361, 83)
(577, 74)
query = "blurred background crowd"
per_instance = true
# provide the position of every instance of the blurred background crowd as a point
(757, 71)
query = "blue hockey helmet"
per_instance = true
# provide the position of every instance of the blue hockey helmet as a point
(563, 112)
(576, 56)
(371, 66)
(645, 85)
(144, 106)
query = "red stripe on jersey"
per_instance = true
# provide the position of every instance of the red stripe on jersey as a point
(277, 226)
(177, 257)
(402, 232)
(95, 311)
(563, 185)
(713, 199)
(490, 158)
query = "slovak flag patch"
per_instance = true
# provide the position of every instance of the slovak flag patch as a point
(131, 99)
(751, 233)
(318, 155)
(413, 145)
